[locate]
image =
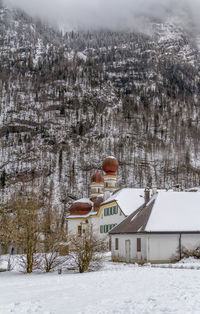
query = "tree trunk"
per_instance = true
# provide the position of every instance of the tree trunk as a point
(29, 256)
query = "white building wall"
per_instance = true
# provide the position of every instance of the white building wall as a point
(155, 248)
(166, 248)
(162, 247)
(109, 220)
(96, 221)
(73, 225)
(190, 241)
(121, 253)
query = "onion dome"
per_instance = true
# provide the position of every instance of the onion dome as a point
(110, 165)
(81, 207)
(97, 177)
(97, 202)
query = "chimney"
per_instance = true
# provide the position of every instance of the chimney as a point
(146, 195)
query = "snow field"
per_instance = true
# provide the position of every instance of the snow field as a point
(117, 288)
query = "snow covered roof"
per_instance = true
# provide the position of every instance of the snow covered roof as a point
(166, 212)
(112, 157)
(83, 216)
(84, 200)
(128, 199)
(177, 211)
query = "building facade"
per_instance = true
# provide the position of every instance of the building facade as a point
(159, 231)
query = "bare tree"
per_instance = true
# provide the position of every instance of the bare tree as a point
(26, 225)
(86, 249)
(6, 232)
(55, 237)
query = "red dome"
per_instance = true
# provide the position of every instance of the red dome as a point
(110, 165)
(97, 177)
(81, 207)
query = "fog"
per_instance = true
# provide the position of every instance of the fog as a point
(114, 14)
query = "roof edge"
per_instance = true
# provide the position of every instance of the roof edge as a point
(156, 232)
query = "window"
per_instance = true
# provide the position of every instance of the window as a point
(79, 230)
(110, 211)
(138, 244)
(116, 244)
(106, 228)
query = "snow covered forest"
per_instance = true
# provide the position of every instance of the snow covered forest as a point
(67, 100)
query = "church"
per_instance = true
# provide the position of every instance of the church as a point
(107, 205)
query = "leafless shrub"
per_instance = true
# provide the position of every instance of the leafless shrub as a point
(55, 240)
(191, 253)
(52, 261)
(23, 262)
(10, 265)
(86, 250)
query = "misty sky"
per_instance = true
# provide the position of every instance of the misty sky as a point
(115, 14)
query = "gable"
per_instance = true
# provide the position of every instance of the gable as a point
(128, 199)
(136, 222)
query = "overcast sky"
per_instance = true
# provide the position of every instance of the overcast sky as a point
(105, 13)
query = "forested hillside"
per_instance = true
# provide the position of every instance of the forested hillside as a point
(69, 100)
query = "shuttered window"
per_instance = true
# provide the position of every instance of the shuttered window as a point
(138, 244)
(116, 244)
(106, 228)
(110, 211)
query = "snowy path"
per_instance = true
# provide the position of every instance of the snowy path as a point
(118, 288)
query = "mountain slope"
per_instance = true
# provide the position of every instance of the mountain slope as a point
(68, 101)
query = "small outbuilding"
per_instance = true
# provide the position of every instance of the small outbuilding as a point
(160, 230)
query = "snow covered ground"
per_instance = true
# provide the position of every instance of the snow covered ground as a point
(117, 288)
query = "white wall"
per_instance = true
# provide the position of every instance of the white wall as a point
(166, 248)
(156, 248)
(120, 254)
(96, 221)
(162, 248)
(190, 241)
(108, 220)
(72, 225)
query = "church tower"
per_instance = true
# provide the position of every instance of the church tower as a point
(110, 166)
(97, 185)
